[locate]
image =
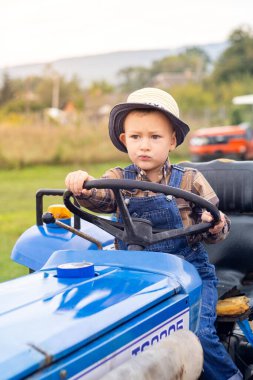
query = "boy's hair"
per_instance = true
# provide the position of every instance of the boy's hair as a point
(146, 99)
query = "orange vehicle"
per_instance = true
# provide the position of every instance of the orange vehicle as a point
(235, 142)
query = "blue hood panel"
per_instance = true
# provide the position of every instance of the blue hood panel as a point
(36, 245)
(43, 318)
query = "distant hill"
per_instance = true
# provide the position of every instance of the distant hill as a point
(106, 66)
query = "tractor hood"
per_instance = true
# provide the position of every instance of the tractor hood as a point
(44, 318)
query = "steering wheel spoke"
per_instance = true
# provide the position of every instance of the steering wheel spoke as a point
(114, 228)
(192, 230)
(124, 212)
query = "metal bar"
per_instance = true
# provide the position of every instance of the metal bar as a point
(79, 233)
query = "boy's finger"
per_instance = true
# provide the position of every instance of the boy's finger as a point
(78, 185)
(207, 217)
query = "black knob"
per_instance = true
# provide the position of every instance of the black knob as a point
(48, 218)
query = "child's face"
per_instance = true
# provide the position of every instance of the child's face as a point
(148, 137)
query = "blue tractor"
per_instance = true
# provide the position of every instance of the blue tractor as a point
(86, 307)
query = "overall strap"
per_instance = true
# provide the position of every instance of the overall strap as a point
(177, 173)
(129, 172)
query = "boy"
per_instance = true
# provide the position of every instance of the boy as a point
(148, 128)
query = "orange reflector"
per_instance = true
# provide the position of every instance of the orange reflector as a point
(59, 211)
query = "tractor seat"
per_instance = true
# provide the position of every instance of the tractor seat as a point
(233, 258)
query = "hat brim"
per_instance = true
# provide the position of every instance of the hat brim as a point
(120, 111)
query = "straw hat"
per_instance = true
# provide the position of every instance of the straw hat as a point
(145, 99)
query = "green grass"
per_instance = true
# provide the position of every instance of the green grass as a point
(17, 204)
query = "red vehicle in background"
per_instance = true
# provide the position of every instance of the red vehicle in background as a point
(234, 142)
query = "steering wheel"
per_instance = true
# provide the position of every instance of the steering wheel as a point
(136, 231)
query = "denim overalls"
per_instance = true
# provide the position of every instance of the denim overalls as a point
(163, 212)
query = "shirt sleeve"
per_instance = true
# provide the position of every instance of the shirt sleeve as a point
(201, 186)
(101, 200)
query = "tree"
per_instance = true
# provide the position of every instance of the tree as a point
(69, 90)
(134, 78)
(237, 60)
(98, 88)
(7, 91)
(192, 59)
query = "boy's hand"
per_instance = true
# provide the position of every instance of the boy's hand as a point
(75, 182)
(217, 228)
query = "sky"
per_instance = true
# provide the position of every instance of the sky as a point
(38, 31)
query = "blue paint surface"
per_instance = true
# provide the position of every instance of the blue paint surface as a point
(72, 321)
(36, 245)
